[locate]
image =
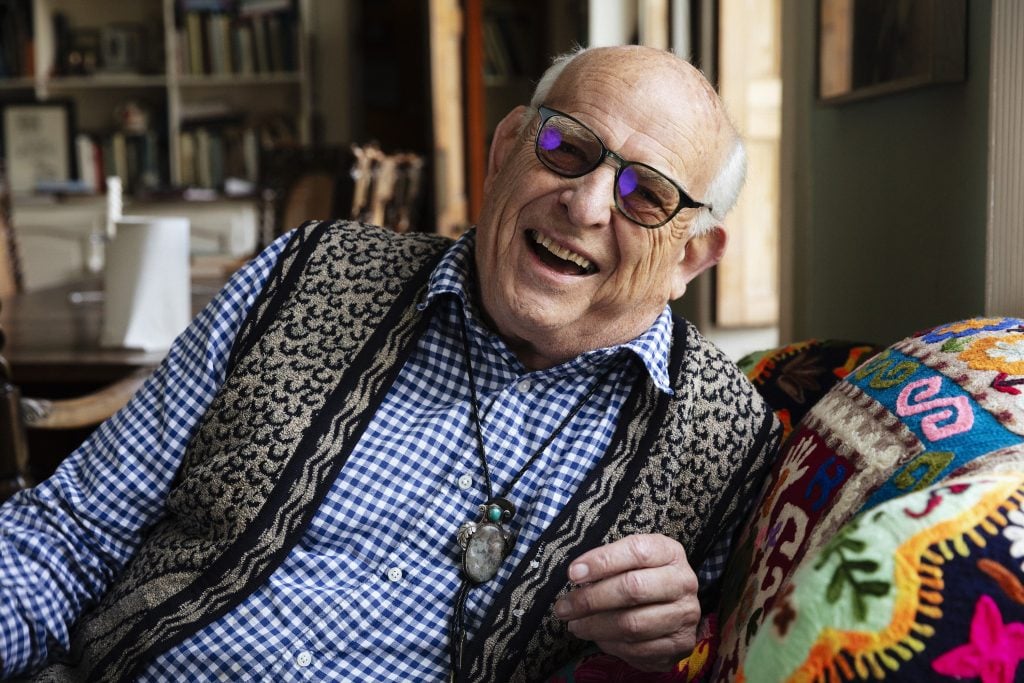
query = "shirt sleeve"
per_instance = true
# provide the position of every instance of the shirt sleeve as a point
(62, 542)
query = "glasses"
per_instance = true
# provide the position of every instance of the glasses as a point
(642, 194)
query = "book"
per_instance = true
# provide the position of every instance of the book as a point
(187, 152)
(88, 172)
(204, 171)
(259, 35)
(276, 43)
(194, 27)
(244, 58)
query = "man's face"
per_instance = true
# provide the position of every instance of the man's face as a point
(561, 270)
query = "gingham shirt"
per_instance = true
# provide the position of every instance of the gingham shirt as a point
(367, 593)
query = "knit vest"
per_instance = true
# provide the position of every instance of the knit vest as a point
(314, 359)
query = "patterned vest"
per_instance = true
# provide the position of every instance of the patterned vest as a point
(314, 359)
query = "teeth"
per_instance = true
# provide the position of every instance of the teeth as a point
(562, 253)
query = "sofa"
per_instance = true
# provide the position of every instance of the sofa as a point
(887, 543)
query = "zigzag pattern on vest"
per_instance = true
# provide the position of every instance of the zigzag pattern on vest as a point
(270, 445)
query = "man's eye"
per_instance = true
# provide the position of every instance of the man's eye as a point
(567, 147)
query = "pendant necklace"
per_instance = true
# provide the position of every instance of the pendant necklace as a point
(487, 542)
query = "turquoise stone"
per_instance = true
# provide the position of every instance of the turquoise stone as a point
(494, 513)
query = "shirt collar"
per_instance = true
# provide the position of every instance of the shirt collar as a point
(451, 279)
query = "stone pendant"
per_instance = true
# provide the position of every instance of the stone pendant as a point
(486, 543)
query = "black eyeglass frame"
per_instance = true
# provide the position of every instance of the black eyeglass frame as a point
(685, 200)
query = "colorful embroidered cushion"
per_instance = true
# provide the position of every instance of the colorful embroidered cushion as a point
(940, 403)
(793, 378)
(924, 587)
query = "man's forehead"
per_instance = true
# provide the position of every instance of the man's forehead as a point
(651, 108)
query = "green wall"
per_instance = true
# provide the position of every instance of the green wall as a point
(889, 228)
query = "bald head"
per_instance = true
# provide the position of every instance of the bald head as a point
(667, 90)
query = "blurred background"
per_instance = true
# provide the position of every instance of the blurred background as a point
(884, 135)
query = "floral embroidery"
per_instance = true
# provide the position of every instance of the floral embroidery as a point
(968, 328)
(994, 651)
(1014, 533)
(1002, 353)
(1009, 351)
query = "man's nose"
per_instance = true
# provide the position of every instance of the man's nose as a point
(589, 199)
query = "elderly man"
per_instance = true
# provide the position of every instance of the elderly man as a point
(382, 457)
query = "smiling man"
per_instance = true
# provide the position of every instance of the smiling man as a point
(384, 457)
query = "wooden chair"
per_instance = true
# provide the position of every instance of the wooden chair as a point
(359, 182)
(387, 187)
(18, 415)
(10, 265)
(301, 183)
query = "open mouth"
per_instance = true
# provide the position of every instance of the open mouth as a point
(559, 258)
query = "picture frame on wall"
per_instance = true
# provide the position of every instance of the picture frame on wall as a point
(869, 48)
(37, 143)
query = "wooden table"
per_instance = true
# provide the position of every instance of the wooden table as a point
(52, 345)
(53, 338)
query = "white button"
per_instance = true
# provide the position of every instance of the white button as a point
(518, 613)
(303, 659)
(394, 574)
(465, 482)
(534, 564)
(524, 386)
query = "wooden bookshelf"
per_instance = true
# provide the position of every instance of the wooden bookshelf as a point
(64, 49)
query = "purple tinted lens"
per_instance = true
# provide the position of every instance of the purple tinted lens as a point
(627, 181)
(550, 138)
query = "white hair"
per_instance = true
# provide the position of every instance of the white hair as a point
(724, 189)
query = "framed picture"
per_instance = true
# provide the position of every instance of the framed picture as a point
(37, 139)
(868, 48)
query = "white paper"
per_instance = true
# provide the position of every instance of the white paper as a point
(147, 288)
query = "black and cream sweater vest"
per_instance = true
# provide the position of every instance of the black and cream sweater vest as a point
(315, 357)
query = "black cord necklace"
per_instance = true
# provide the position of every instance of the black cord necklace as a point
(487, 542)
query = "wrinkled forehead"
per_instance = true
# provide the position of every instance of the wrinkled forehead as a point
(648, 106)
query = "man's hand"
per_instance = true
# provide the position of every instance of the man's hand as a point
(637, 600)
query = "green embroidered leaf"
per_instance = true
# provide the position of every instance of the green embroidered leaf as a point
(866, 566)
(835, 586)
(860, 609)
(954, 345)
(877, 588)
(854, 544)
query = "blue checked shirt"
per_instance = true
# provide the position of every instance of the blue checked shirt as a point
(367, 593)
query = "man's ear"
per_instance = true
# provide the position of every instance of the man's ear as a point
(504, 140)
(700, 253)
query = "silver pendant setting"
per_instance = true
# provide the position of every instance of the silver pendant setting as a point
(486, 543)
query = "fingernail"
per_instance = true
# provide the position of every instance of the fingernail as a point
(578, 573)
(561, 609)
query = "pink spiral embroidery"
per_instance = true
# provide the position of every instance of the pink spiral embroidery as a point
(910, 404)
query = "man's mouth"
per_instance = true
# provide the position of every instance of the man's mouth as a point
(557, 257)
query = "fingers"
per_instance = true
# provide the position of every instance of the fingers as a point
(638, 602)
(640, 624)
(630, 589)
(632, 552)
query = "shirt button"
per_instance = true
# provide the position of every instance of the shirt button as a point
(394, 574)
(524, 386)
(534, 564)
(303, 659)
(518, 613)
(465, 482)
